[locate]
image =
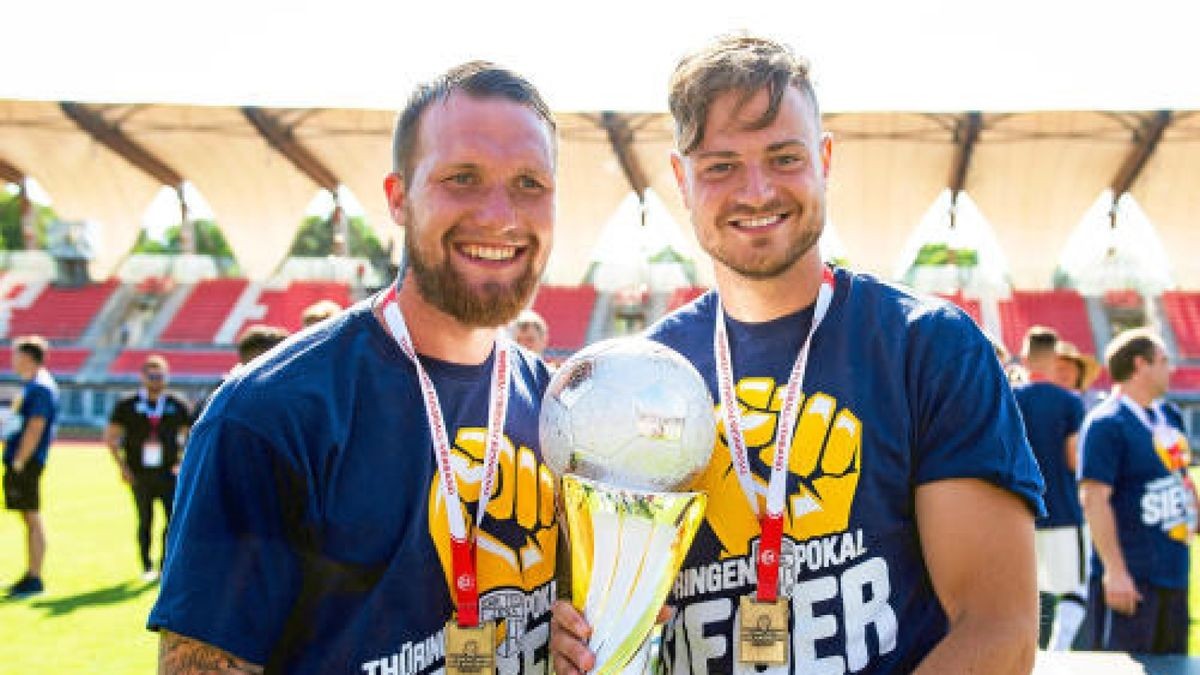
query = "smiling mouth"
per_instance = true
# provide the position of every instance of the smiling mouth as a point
(761, 222)
(489, 252)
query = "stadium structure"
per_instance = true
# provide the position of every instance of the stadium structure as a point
(1083, 221)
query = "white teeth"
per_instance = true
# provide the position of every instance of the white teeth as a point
(489, 252)
(753, 223)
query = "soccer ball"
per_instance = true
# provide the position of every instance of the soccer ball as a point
(628, 412)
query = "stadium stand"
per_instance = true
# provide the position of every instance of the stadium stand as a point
(62, 361)
(1063, 310)
(1183, 313)
(198, 363)
(568, 311)
(204, 312)
(62, 314)
(285, 307)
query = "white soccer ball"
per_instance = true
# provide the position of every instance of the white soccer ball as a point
(628, 412)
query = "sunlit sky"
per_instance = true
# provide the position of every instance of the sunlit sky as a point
(926, 55)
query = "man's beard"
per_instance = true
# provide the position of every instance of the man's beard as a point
(769, 265)
(495, 304)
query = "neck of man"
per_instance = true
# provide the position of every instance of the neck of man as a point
(1141, 393)
(153, 392)
(752, 300)
(438, 335)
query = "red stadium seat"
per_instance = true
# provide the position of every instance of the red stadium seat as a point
(682, 296)
(212, 363)
(1183, 313)
(1063, 310)
(285, 308)
(567, 311)
(204, 312)
(62, 313)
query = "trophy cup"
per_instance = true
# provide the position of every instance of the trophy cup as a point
(627, 424)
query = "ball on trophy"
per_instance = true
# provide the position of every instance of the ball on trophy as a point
(628, 412)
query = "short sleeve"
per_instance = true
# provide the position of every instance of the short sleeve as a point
(1100, 444)
(966, 419)
(120, 414)
(39, 402)
(232, 573)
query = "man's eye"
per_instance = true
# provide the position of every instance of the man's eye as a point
(719, 168)
(529, 183)
(462, 178)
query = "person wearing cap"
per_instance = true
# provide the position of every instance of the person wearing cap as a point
(146, 434)
(1140, 504)
(1052, 415)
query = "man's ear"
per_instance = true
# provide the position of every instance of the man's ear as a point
(393, 187)
(826, 154)
(681, 178)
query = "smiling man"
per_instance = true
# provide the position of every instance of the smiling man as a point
(331, 506)
(871, 494)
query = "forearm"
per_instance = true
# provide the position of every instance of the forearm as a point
(1103, 525)
(983, 645)
(180, 655)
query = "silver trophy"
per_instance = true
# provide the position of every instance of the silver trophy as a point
(627, 424)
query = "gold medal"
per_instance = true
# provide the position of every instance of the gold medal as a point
(763, 638)
(470, 650)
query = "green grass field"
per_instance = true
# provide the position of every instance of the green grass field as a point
(92, 616)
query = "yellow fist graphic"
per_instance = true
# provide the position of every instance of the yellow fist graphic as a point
(516, 548)
(823, 469)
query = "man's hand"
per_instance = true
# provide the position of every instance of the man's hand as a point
(1120, 593)
(569, 633)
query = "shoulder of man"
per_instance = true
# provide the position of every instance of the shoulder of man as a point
(681, 322)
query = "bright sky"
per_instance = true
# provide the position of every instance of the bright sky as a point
(922, 55)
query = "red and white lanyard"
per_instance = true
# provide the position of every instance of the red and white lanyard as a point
(770, 542)
(462, 541)
(153, 415)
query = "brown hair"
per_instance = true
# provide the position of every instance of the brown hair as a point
(34, 346)
(259, 339)
(1127, 346)
(741, 63)
(480, 79)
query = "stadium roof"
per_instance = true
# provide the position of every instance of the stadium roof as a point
(1033, 175)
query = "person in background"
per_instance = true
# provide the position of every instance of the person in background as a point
(1140, 503)
(29, 430)
(319, 311)
(146, 434)
(1052, 415)
(531, 332)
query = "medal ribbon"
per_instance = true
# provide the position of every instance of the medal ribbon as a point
(153, 415)
(770, 542)
(462, 543)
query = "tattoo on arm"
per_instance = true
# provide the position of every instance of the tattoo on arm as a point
(179, 655)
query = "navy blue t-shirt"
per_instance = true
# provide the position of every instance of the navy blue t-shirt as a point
(1149, 499)
(309, 533)
(901, 391)
(1052, 414)
(38, 398)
